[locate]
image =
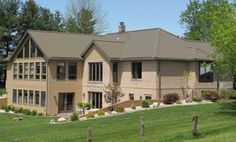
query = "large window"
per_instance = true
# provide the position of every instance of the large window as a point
(19, 96)
(37, 74)
(44, 70)
(14, 95)
(60, 71)
(72, 70)
(25, 100)
(31, 70)
(95, 98)
(15, 71)
(115, 72)
(95, 72)
(26, 49)
(37, 98)
(26, 70)
(43, 98)
(205, 72)
(20, 71)
(32, 48)
(31, 97)
(136, 70)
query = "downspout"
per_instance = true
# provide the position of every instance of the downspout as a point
(159, 77)
(47, 88)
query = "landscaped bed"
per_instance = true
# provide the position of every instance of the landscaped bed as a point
(216, 123)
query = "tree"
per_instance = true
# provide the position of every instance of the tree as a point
(186, 75)
(113, 93)
(85, 16)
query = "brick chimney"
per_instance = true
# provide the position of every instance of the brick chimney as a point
(121, 27)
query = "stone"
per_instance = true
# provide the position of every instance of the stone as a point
(62, 119)
(83, 118)
(17, 118)
(52, 121)
(155, 104)
(2, 111)
(114, 112)
(189, 100)
(107, 114)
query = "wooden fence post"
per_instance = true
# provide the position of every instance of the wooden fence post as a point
(141, 129)
(195, 122)
(90, 135)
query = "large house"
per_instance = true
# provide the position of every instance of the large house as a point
(50, 71)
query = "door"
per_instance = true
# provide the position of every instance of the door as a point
(66, 102)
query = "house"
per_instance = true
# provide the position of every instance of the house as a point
(50, 71)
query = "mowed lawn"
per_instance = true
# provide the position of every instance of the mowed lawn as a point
(217, 122)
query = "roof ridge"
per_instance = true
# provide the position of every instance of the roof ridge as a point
(58, 32)
(134, 31)
(108, 41)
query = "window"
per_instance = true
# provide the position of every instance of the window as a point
(131, 96)
(37, 98)
(20, 70)
(26, 70)
(136, 70)
(72, 70)
(148, 97)
(26, 49)
(115, 72)
(25, 100)
(31, 97)
(60, 71)
(43, 98)
(95, 98)
(205, 72)
(14, 94)
(19, 96)
(44, 70)
(31, 70)
(32, 48)
(37, 74)
(15, 71)
(95, 72)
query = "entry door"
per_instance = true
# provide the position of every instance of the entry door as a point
(66, 102)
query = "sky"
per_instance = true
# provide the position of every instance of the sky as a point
(136, 14)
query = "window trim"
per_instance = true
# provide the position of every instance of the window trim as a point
(96, 73)
(134, 72)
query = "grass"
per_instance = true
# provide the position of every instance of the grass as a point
(172, 124)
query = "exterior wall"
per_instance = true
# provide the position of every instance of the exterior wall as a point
(63, 86)
(40, 85)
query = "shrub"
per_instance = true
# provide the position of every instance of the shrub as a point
(101, 113)
(26, 112)
(170, 98)
(197, 99)
(120, 109)
(74, 116)
(133, 106)
(145, 104)
(2, 107)
(40, 114)
(34, 112)
(90, 115)
(20, 110)
(210, 95)
(178, 102)
(6, 108)
(9, 107)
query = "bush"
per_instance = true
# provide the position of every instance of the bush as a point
(145, 104)
(2, 107)
(210, 95)
(178, 102)
(197, 99)
(26, 112)
(120, 109)
(170, 98)
(133, 106)
(90, 115)
(101, 113)
(9, 107)
(20, 110)
(6, 109)
(34, 112)
(40, 114)
(74, 116)
(233, 94)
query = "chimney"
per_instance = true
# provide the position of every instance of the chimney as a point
(121, 27)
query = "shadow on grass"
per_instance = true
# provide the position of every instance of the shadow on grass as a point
(227, 108)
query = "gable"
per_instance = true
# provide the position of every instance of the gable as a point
(93, 53)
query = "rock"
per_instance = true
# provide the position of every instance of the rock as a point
(114, 112)
(155, 104)
(2, 111)
(17, 118)
(11, 112)
(52, 121)
(189, 100)
(83, 118)
(107, 114)
(62, 119)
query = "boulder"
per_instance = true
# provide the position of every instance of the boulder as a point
(62, 119)
(17, 118)
(114, 112)
(155, 104)
(189, 100)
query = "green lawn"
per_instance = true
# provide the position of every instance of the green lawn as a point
(217, 122)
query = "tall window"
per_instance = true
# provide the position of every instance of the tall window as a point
(37, 74)
(44, 70)
(95, 98)
(95, 72)
(26, 70)
(205, 72)
(31, 70)
(25, 100)
(60, 71)
(131, 96)
(31, 97)
(36, 98)
(115, 72)
(27, 49)
(14, 94)
(32, 48)
(43, 98)
(15, 71)
(20, 70)
(19, 96)
(136, 70)
(72, 70)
